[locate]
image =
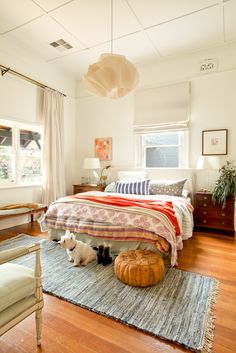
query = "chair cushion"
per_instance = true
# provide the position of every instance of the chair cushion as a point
(16, 309)
(16, 283)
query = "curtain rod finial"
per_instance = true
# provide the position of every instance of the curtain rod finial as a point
(4, 71)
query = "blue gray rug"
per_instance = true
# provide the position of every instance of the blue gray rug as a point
(178, 309)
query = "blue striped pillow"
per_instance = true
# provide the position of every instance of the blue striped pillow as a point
(140, 187)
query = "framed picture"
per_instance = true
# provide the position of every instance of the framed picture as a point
(214, 142)
(103, 148)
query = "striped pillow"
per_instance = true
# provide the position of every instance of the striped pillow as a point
(140, 187)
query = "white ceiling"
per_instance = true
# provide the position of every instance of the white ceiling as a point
(143, 30)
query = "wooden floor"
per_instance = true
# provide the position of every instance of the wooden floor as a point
(70, 329)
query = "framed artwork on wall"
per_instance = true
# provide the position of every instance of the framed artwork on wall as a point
(214, 142)
(103, 148)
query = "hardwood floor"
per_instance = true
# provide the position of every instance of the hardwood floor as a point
(70, 329)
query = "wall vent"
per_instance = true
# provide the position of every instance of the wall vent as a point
(61, 45)
(208, 65)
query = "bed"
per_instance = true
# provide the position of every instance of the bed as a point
(123, 220)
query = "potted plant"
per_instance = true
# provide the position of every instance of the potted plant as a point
(225, 185)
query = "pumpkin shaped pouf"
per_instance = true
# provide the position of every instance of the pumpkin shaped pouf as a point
(139, 268)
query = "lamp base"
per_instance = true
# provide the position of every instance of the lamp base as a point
(93, 178)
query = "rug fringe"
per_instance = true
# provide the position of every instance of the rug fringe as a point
(210, 322)
(15, 237)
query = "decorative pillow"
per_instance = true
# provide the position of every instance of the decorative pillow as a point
(140, 187)
(110, 187)
(166, 187)
(186, 193)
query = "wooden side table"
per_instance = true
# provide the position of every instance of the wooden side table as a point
(87, 187)
(207, 215)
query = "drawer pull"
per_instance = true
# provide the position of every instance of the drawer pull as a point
(205, 212)
(205, 205)
(222, 223)
(205, 198)
(223, 215)
(204, 221)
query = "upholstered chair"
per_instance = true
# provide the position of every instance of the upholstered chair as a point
(20, 289)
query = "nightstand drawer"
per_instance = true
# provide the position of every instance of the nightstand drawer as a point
(203, 197)
(78, 189)
(205, 200)
(213, 213)
(86, 187)
(214, 223)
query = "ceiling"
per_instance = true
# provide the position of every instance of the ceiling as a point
(143, 30)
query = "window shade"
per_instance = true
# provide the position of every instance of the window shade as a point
(162, 106)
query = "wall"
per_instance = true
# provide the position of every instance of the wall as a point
(22, 101)
(212, 105)
(98, 117)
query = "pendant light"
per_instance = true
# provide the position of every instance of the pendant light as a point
(112, 75)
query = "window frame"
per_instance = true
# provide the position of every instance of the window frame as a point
(16, 126)
(140, 148)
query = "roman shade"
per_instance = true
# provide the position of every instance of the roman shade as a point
(162, 108)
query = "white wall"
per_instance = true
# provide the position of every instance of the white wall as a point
(212, 106)
(98, 117)
(22, 101)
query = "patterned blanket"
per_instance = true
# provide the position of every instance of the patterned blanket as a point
(96, 219)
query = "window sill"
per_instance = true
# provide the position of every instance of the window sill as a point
(26, 185)
(172, 168)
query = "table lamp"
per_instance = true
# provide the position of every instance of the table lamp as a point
(208, 163)
(91, 164)
(104, 175)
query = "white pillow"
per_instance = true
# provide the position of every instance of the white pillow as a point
(132, 175)
(110, 187)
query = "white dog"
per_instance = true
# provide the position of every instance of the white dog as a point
(77, 251)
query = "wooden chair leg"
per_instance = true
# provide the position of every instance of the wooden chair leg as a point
(38, 321)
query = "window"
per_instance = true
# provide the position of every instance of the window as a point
(165, 149)
(20, 153)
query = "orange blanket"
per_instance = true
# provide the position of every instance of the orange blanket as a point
(165, 207)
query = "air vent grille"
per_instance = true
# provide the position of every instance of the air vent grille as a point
(61, 45)
(208, 65)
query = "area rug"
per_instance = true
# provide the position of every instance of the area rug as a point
(178, 309)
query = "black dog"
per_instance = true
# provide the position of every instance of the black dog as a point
(103, 255)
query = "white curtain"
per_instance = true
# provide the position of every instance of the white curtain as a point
(53, 148)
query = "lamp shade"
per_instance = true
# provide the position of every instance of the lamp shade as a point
(91, 163)
(209, 162)
(112, 76)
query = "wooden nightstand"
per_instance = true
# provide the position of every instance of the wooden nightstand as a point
(212, 216)
(86, 187)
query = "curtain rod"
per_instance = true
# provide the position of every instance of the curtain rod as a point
(5, 69)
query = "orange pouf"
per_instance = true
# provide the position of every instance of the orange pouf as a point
(139, 268)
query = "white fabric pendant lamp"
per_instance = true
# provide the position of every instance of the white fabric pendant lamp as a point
(112, 75)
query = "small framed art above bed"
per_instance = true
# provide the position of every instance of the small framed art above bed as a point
(129, 214)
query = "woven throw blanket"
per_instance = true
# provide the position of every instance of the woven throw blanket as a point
(18, 205)
(165, 207)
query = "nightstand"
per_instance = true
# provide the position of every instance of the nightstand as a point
(207, 215)
(87, 187)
